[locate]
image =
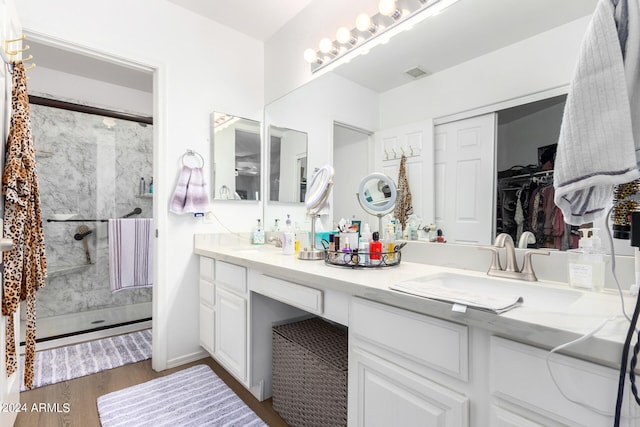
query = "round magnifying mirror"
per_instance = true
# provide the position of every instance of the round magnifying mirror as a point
(377, 194)
(317, 195)
(319, 188)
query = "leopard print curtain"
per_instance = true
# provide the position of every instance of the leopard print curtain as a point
(404, 204)
(25, 266)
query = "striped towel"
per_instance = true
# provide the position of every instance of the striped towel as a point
(190, 194)
(130, 253)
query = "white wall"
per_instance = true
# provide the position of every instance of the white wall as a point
(535, 64)
(519, 140)
(285, 67)
(72, 88)
(197, 71)
(313, 109)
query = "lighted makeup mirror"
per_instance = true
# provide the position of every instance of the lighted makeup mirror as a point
(377, 194)
(317, 194)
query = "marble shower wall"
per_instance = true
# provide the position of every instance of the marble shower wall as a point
(87, 169)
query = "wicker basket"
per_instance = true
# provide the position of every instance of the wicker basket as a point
(310, 373)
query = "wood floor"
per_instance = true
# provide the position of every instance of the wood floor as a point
(73, 403)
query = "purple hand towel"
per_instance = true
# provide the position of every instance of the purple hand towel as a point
(197, 199)
(190, 194)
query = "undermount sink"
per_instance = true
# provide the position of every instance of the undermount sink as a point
(534, 294)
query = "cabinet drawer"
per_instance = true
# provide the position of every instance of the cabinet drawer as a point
(233, 277)
(308, 299)
(206, 268)
(424, 340)
(207, 293)
(519, 375)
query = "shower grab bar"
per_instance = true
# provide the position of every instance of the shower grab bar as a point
(82, 235)
(136, 211)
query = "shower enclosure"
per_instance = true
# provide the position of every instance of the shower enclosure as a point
(89, 169)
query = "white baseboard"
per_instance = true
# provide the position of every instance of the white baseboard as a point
(187, 358)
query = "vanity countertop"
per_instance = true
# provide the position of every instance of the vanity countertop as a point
(542, 327)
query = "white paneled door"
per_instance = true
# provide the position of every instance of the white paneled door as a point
(464, 153)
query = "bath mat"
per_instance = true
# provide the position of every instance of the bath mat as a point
(192, 397)
(65, 363)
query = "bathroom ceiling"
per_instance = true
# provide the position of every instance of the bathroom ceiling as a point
(435, 45)
(257, 19)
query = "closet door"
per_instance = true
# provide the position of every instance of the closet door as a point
(464, 153)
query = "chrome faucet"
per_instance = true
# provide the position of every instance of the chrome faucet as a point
(511, 271)
(526, 238)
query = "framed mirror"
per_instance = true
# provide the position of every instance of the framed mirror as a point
(287, 165)
(236, 149)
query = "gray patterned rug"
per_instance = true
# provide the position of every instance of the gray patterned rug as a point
(65, 363)
(193, 397)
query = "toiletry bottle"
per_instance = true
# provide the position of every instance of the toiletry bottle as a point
(346, 253)
(398, 229)
(440, 238)
(375, 249)
(151, 185)
(587, 264)
(431, 230)
(390, 242)
(257, 237)
(276, 225)
(288, 238)
(363, 250)
(366, 233)
(143, 187)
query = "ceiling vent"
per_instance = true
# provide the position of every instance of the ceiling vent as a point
(416, 72)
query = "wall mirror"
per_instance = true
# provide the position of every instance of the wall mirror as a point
(287, 165)
(437, 48)
(236, 157)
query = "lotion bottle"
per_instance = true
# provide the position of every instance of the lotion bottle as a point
(288, 238)
(257, 237)
(587, 264)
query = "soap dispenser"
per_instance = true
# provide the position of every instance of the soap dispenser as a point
(586, 265)
(288, 238)
(257, 237)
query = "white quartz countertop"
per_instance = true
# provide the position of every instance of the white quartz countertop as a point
(543, 327)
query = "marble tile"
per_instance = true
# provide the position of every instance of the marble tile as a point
(87, 169)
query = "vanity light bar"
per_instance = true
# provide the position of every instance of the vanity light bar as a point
(368, 29)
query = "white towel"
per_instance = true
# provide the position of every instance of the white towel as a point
(130, 253)
(495, 304)
(600, 138)
(190, 194)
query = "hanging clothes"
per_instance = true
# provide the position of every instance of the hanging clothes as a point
(404, 204)
(25, 266)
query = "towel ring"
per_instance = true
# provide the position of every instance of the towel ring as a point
(195, 154)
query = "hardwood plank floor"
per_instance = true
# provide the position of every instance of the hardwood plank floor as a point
(73, 403)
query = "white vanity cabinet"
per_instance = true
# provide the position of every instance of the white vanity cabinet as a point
(393, 355)
(223, 314)
(523, 392)
(207, 301)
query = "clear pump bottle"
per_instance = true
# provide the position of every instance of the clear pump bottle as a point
(586, 265)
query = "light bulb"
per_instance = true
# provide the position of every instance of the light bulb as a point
(363, 22)
(310, 55)
(387, 7)
(344, 35)
(326, 45)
